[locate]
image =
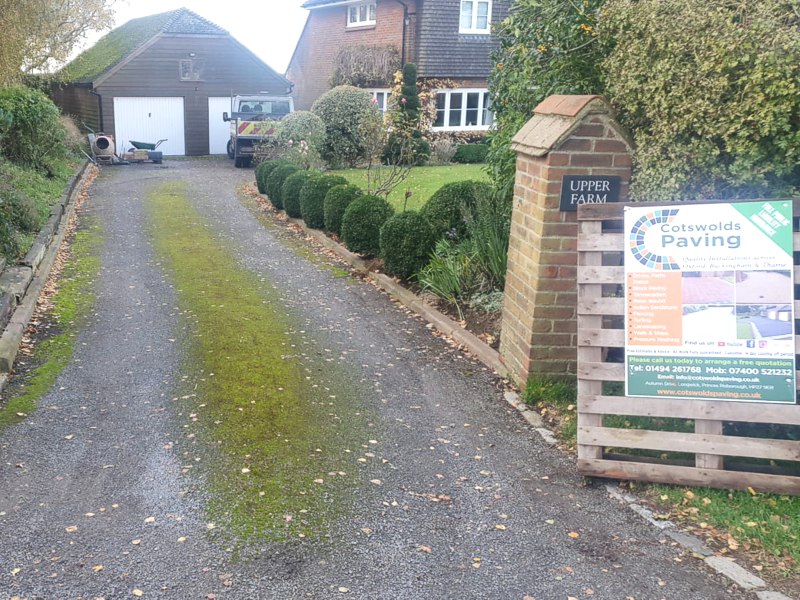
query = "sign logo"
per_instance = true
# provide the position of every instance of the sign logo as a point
(638, 248)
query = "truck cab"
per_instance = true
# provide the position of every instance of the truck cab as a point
(252, 121)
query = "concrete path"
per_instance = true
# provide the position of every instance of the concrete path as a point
(470, 503)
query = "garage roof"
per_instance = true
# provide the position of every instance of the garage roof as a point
(125, 39)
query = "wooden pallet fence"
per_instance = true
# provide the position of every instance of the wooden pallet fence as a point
(698, 451)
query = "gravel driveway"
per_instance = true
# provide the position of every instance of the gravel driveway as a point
(94, 502)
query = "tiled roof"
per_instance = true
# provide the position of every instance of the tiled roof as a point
(122, 41)
(443, 52)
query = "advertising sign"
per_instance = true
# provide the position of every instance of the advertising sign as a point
(709, 310)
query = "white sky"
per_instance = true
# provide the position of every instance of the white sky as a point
(270, 28)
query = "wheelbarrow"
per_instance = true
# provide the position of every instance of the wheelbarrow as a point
(146, 145)
(142, 151)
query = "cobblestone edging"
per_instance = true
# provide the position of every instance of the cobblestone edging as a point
(491, 358)
(21, 284)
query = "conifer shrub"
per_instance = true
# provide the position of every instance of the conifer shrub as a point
(337, 200)
(290, 192)
(275, 181)
(362, 222)
(446, 209)
(471, 153)
(312, 199)
(407, 240)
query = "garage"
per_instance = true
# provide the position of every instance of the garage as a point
(219, 132)
(149, 119)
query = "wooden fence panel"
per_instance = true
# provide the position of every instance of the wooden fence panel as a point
(720, 459)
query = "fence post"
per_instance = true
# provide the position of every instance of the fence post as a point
(568, 135)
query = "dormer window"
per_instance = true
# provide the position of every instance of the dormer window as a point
(476, 16)
(361, 14)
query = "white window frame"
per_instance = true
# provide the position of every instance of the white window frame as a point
(485, 117)
(376, 95)
(473, 25)
(370, 10)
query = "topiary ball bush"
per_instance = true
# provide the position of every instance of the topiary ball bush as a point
(471, 153)
(275, 181)
(362, 222)
(342, 110)
(337, 200)
(445, 209)
(290, 192)
(262, 172)
(407, 240)
(312, 199)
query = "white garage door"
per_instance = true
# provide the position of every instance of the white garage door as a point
(219, 132)
(149, 120)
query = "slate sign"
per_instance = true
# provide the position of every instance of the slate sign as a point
(588, 189)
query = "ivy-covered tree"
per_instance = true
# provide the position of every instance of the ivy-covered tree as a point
(545, 47)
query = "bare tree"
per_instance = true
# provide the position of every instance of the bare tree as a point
(39, 35)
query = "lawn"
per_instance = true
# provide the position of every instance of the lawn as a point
(422, 182)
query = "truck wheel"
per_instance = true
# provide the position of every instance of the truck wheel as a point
(230, 150)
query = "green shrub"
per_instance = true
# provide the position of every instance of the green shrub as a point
(35, 135)
(275, 181)
(450, 274)
(290, 192)
(712, 99)
(303, 126)
(18, 216)
(362, 222)
(337, 200)
(471, 153)
(342, 110)
(312, 199)
(407, 240)
(445, 210)
(263, 171)
(488, 228)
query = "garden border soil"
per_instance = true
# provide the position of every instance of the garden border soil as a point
(472, 344)
(23, 282)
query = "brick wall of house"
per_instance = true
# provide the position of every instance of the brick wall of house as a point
(568, 135)
(326, 32)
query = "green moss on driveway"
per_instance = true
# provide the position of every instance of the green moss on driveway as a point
(71, 305)
(276, 449)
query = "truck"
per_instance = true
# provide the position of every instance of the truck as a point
(252, 122)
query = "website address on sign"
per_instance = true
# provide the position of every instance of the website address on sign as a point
(705, 394)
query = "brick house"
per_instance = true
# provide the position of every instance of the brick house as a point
(449, 40)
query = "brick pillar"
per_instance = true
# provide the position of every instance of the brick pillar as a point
(568, 135)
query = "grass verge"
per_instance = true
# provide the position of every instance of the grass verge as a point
(422, 182)
(765, 526)
(71, 304)
(274, 431)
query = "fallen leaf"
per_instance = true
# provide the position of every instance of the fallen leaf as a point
(97, 568)
(71, 529)
(136, 542)
(376, 481)
(15, 570)
(181, 539)
(549, 521)
(210, 526)
(574, 534)
(245, 470)
(426, 549)
(68, 437)
(343, 590)
(137, 592)
(500, 527)
(150, 520)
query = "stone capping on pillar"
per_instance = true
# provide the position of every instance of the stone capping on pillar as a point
(567, 135)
